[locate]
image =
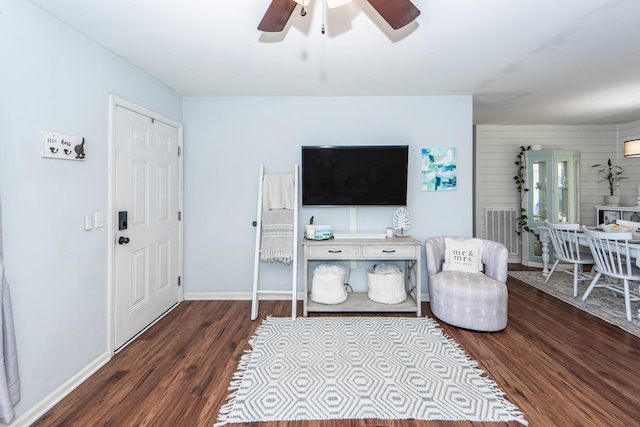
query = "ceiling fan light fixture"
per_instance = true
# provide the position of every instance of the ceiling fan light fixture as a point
(632, 148)
(397, 13)
(332, 4)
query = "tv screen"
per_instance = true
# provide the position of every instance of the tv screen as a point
(355, 175)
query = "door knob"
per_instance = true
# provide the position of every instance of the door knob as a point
(123, 240)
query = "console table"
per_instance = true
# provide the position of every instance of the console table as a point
(405, 249)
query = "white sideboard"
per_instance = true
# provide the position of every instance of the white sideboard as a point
(609, 214)
(404, 248)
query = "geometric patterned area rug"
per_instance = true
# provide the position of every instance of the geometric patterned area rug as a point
(601, 303)
(360, 368)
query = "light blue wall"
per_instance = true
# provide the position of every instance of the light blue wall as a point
(228, 138)
(55, 79)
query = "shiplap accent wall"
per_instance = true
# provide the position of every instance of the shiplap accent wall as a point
(497, 146)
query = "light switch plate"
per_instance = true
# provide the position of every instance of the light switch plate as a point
(88, 222)
(98, 219)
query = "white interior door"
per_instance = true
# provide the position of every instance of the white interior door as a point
(146, 250)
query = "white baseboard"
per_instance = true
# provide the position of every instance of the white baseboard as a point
(246, 296)
(60, 393)
(232, 296)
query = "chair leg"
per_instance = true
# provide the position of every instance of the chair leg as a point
(576, 272)
(627, 299)
(591, 286)
(555, 264)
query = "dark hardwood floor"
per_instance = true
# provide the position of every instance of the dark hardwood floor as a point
(559, 365)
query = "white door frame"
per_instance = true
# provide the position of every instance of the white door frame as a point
(114, 102)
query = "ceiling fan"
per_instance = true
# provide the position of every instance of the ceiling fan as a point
(397, 13)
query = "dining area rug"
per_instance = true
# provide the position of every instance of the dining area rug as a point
(601, 303)
(336, 368)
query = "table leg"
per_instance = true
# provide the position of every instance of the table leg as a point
(412, 270)
(305, 281)
(544, 240)
(418, 283)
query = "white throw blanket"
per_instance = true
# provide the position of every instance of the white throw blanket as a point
(277, 191)
(277, 218)
(277, 236)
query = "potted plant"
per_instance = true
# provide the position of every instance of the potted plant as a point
(310, 230)
(613, 175)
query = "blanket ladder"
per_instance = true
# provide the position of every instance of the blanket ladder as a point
(292, 293)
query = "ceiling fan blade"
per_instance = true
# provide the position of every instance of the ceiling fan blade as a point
(277, 15)
(397, 13)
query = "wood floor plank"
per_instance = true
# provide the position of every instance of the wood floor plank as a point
(559, 365)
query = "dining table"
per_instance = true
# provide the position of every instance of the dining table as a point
(634, 245)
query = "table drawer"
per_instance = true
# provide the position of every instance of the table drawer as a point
(390, 251)
(334, 252)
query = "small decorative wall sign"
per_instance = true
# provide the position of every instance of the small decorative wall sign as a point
(439, 169)
(60, 146)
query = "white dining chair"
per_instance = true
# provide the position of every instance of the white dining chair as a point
(566, 248)
(612, 259)
(635, 226)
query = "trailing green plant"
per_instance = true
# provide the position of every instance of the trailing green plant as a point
(520, 179)
(612, 174)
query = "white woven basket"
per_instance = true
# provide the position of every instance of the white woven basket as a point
(328, 288)
(386, 288)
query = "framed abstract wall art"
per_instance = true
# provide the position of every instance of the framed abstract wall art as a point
(439, 169)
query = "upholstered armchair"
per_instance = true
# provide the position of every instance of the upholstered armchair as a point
(468, 299)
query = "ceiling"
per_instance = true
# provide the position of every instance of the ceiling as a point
(524, 62)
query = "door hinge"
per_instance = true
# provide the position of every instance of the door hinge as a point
(179, 151)
(152, 120)
(179, 215)
(179, 281)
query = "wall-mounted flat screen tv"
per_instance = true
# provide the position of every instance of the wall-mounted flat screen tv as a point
(355, 175)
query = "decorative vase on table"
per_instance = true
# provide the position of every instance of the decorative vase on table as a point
(612, 200)
(310, 231)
